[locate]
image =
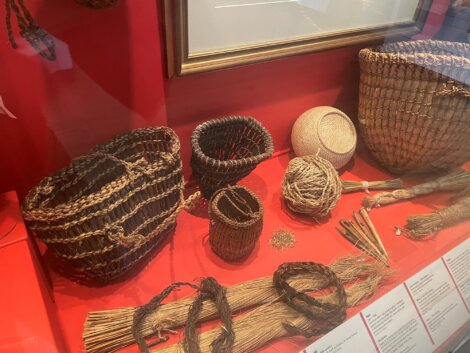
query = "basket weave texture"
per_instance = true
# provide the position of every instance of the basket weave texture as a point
(106, 211)
(236, 216)
(226, 150)
(97, 4)
(414, 104)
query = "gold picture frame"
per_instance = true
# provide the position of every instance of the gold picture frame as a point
(180, 62)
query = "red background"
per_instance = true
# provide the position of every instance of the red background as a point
(117, 81)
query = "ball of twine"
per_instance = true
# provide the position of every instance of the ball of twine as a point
(311, 186)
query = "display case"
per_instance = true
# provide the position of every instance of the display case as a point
(235, 176)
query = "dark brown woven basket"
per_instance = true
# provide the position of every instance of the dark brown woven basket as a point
(226, 150)
(414, 104)
(108, 210)
(97, 4)
(236, 216)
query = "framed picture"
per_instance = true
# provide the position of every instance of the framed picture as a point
(205, 35)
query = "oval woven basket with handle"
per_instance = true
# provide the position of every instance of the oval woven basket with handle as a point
(226, 150)
(106, 211)
(414, 104)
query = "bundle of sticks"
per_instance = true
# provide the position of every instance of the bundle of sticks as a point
(352, 186)
(454, 181)
(363, 235)
(270, 317)
(420, 227)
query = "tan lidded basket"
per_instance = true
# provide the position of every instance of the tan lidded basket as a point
(109, 209)
(414, 104)
(226, 150)
(236, 216)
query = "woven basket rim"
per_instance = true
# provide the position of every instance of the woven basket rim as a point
(228, 221)
(32, 210)
(375, 54)
(202, 157)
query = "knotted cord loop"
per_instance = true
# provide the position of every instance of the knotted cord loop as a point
(37, 37)
(324, 316)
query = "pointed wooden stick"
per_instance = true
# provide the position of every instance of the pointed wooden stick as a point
(373, 231)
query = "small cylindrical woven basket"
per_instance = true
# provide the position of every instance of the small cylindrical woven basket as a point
(106, 211)
(414, 104)
(226, 150)
(236, 216)
(97, 4)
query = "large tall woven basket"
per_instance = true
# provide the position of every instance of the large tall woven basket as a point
(236, 216)
(414, 104)
(226, 150)
(107, 210)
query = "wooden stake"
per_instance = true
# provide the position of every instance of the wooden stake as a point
(369, 223)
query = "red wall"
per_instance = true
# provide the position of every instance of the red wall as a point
(111, 77)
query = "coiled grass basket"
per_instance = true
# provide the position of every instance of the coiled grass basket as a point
(226, 150)
(414, 104)
(106, 211)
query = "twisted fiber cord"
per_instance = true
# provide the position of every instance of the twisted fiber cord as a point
(450, 182)
(109, 330)
(70, 209)
(187, 204)
(331, 314)
(123, 219)
(210, 289)
(311, 186)
(143, 311)
(29, 30)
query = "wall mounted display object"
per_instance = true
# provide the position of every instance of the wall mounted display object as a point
(205, 35)
(37, 37)
(325, 131)
(97, 4)
(107, 210)
(226, 150)
(414, 105)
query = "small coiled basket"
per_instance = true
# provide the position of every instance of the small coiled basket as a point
(414, 104)
(106, 211)
(226, 150)
(236, 216)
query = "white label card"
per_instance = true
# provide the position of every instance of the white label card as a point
(438, 301)
(418, 316)
(395, 325)
(352, 333)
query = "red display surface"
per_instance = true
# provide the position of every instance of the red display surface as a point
(28, 323)
(187, 255)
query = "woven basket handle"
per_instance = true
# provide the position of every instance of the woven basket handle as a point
(117, 235)
(132, 168)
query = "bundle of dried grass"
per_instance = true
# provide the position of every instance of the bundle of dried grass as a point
(454, 181)
(352, 186)
(110, 330)
(273, 320)
(424, 226)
